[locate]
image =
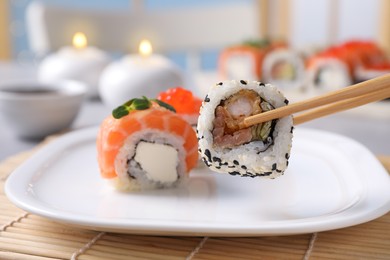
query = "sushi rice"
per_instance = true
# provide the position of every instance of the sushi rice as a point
(256, 158)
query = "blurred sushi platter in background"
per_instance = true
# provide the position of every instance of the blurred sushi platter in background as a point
(300, 74)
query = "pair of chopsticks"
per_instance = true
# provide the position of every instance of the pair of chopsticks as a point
(336, 101)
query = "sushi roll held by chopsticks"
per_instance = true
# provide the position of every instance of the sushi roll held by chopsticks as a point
(228, 146)
(245, 128)
(145, 145)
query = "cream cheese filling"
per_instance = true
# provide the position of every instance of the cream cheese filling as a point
(159, 161)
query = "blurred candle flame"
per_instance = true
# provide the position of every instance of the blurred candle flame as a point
(79, 40)
(145, 48)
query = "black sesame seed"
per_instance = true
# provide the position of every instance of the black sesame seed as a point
(286, 163)
(220, 84)
(286, 101)
(279, 171)
(218, 167)
(266, 174)
(274, 166)
(287, 156)
(243, 167)
(291, 130)
(252, 175)
(234, 173)
(207, 99)
(206, 162)
(231, 166)
(216, 159)
(208, 154)
(243, 82)
(236, 162)
(225, 163)
(199, 150)
(261, 84)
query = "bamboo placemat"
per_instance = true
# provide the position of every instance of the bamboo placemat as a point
(30, 237)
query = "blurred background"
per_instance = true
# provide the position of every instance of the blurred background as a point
(304, 47)
(302, 23)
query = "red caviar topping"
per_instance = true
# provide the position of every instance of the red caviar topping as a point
(181, 99)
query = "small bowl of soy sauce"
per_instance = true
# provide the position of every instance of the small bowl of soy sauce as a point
(34, 110)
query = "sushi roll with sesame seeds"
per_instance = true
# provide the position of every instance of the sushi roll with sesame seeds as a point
(226, 146)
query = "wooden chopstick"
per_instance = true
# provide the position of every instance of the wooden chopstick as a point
(351, 93)
(341, 106)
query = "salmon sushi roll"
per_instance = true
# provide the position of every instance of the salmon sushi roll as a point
(328, 71)
(145, 145)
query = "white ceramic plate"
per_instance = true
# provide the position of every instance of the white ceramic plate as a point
(332, 182)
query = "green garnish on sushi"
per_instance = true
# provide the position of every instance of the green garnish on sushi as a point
(138, 104)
